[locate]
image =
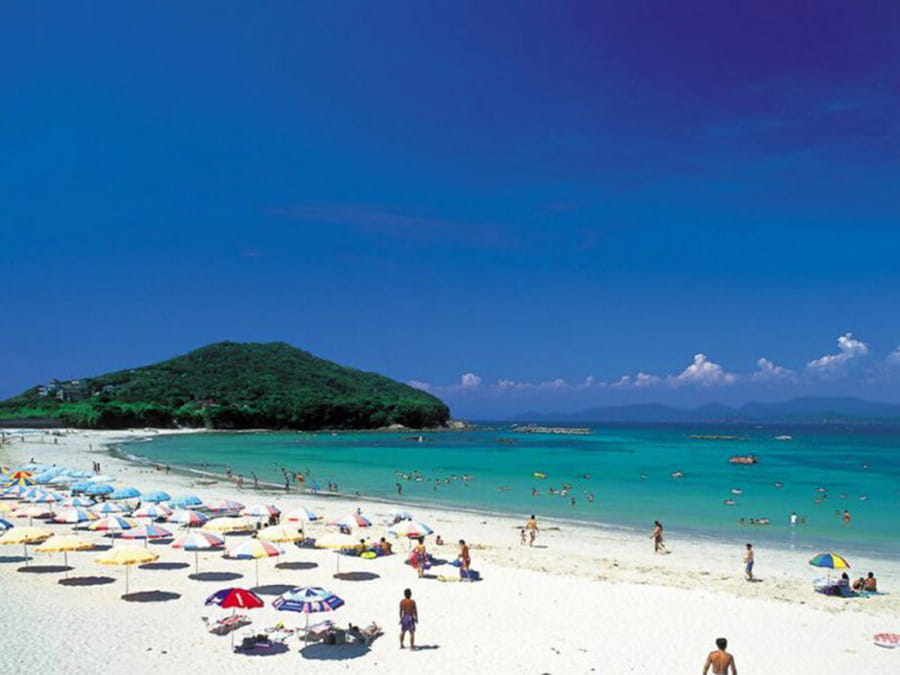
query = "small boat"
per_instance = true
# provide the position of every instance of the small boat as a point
(736, 491)
(778, 484)
(538, 474)
(743, 459)
(821, 489)
(784, 437)
(677, 474)
(863, 498)
(730, 502)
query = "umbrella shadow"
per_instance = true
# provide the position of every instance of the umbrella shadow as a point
(151, 596)
(297, 565)
(45, 569)
(323, 652)
(272, 589)
(267, 650)
(164, 566)
(240, 534)
(86, 581)
(100, 547)
(356, 576)
(215, 576)
(164, 541)
(14, 558)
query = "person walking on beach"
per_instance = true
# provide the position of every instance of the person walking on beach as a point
(409, 617)
(748, 562)
(465, 560)
(720, 660)
(657, 537)
(419, 557)
(532, 527)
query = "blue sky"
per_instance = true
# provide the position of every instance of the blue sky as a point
(523, 194)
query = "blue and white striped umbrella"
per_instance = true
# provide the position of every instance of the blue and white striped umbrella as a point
(98, 489)
(188, 500)
(156, 497)
(76, 515)
(46, 497)
(124, 493)
(80, 486)
(307, 599)
(108, 508)
(78, 501)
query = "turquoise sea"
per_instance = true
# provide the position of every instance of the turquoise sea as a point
(627, 469)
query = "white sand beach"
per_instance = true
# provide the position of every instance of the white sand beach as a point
(584, 600)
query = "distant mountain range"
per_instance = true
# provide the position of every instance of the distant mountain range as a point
(806, 410)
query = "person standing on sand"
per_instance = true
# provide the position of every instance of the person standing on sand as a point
(465, 559)
(532, 528)
(720, 660)
(657, 537)
(409, 617)
(419, 557)
(240, 481)
(748, 562)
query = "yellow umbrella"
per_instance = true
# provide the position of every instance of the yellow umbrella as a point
(337, 540)
(127, 556)
(25, 536)
(226, 524)
(63, 544)
(280, 534)
(6, 507)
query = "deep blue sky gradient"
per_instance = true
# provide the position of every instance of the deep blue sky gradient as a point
(527, 191)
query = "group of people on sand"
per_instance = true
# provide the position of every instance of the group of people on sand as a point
(868, 583)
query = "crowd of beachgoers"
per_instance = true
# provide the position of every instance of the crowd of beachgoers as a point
(181, 569)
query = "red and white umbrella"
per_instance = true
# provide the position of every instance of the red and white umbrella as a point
(146, 532)
(301, 514)
(198, 541)
(353, 520)
(412, 529)
(152, 511)
(224, 506)
(188, 518)
(74, 516)
(261, 510)
(112, 524)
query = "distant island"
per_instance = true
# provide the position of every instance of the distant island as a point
(804, 410)
(231, 385)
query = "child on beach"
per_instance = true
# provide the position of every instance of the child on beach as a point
(748, 562)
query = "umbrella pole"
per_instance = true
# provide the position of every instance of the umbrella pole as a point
(25, 546)
(66, 563)
(196, 562)
(126, 579)
(257, 572)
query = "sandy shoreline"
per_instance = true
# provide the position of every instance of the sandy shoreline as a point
(588, 600)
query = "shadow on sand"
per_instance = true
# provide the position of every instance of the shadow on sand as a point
(297, 565)
(215, 576)
(272, 589)
(86, 581)
(323, 652)
(151, 596)
(164, 566)
(45, 569)
(356, 576)
(268, 650)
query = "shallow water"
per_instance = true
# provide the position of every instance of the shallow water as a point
(629, 471)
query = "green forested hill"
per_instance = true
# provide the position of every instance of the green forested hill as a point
(230, 385)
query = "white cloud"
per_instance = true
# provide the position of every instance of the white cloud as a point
(771, 372)
(470, 381)
(645, 380)
(849, 348)
(893, 358)
(417, 384)
(703, 372)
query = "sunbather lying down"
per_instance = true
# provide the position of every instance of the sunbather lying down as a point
(365, 635)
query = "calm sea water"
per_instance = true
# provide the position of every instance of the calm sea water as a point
(628, 471)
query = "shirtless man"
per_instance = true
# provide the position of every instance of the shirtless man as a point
(657, 537)
(532, 527)
(465, 559)
(409, 617)
(720, 660)
(748, 562)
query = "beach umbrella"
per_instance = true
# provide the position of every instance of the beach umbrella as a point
(46, 476)
(124, 493)
(307, 600)
(19, 477)
(156, 497)
(146, 532)
(108, 508)
(79, 474)
(411, 529)
(6, 507)
(127, 556)
(46, 497)
(261, 510)
(63, 544)
(198, 541)
(301, 514)
(235, 598)
(254, 549)
(5, 525)
(77, 502)
(80, 486)
(98, 478)
(830, 560)
(337, 541)
(112, 524)
(188, 500)
(74, 516)
(24, 536)
(15, 492)
(353, 520)
(32, 512)
(280, 534)
(188, 518)
(152, 511)
(62, 479)
(98, 489)
(396, 514)
(224, 506)
(229, 524)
